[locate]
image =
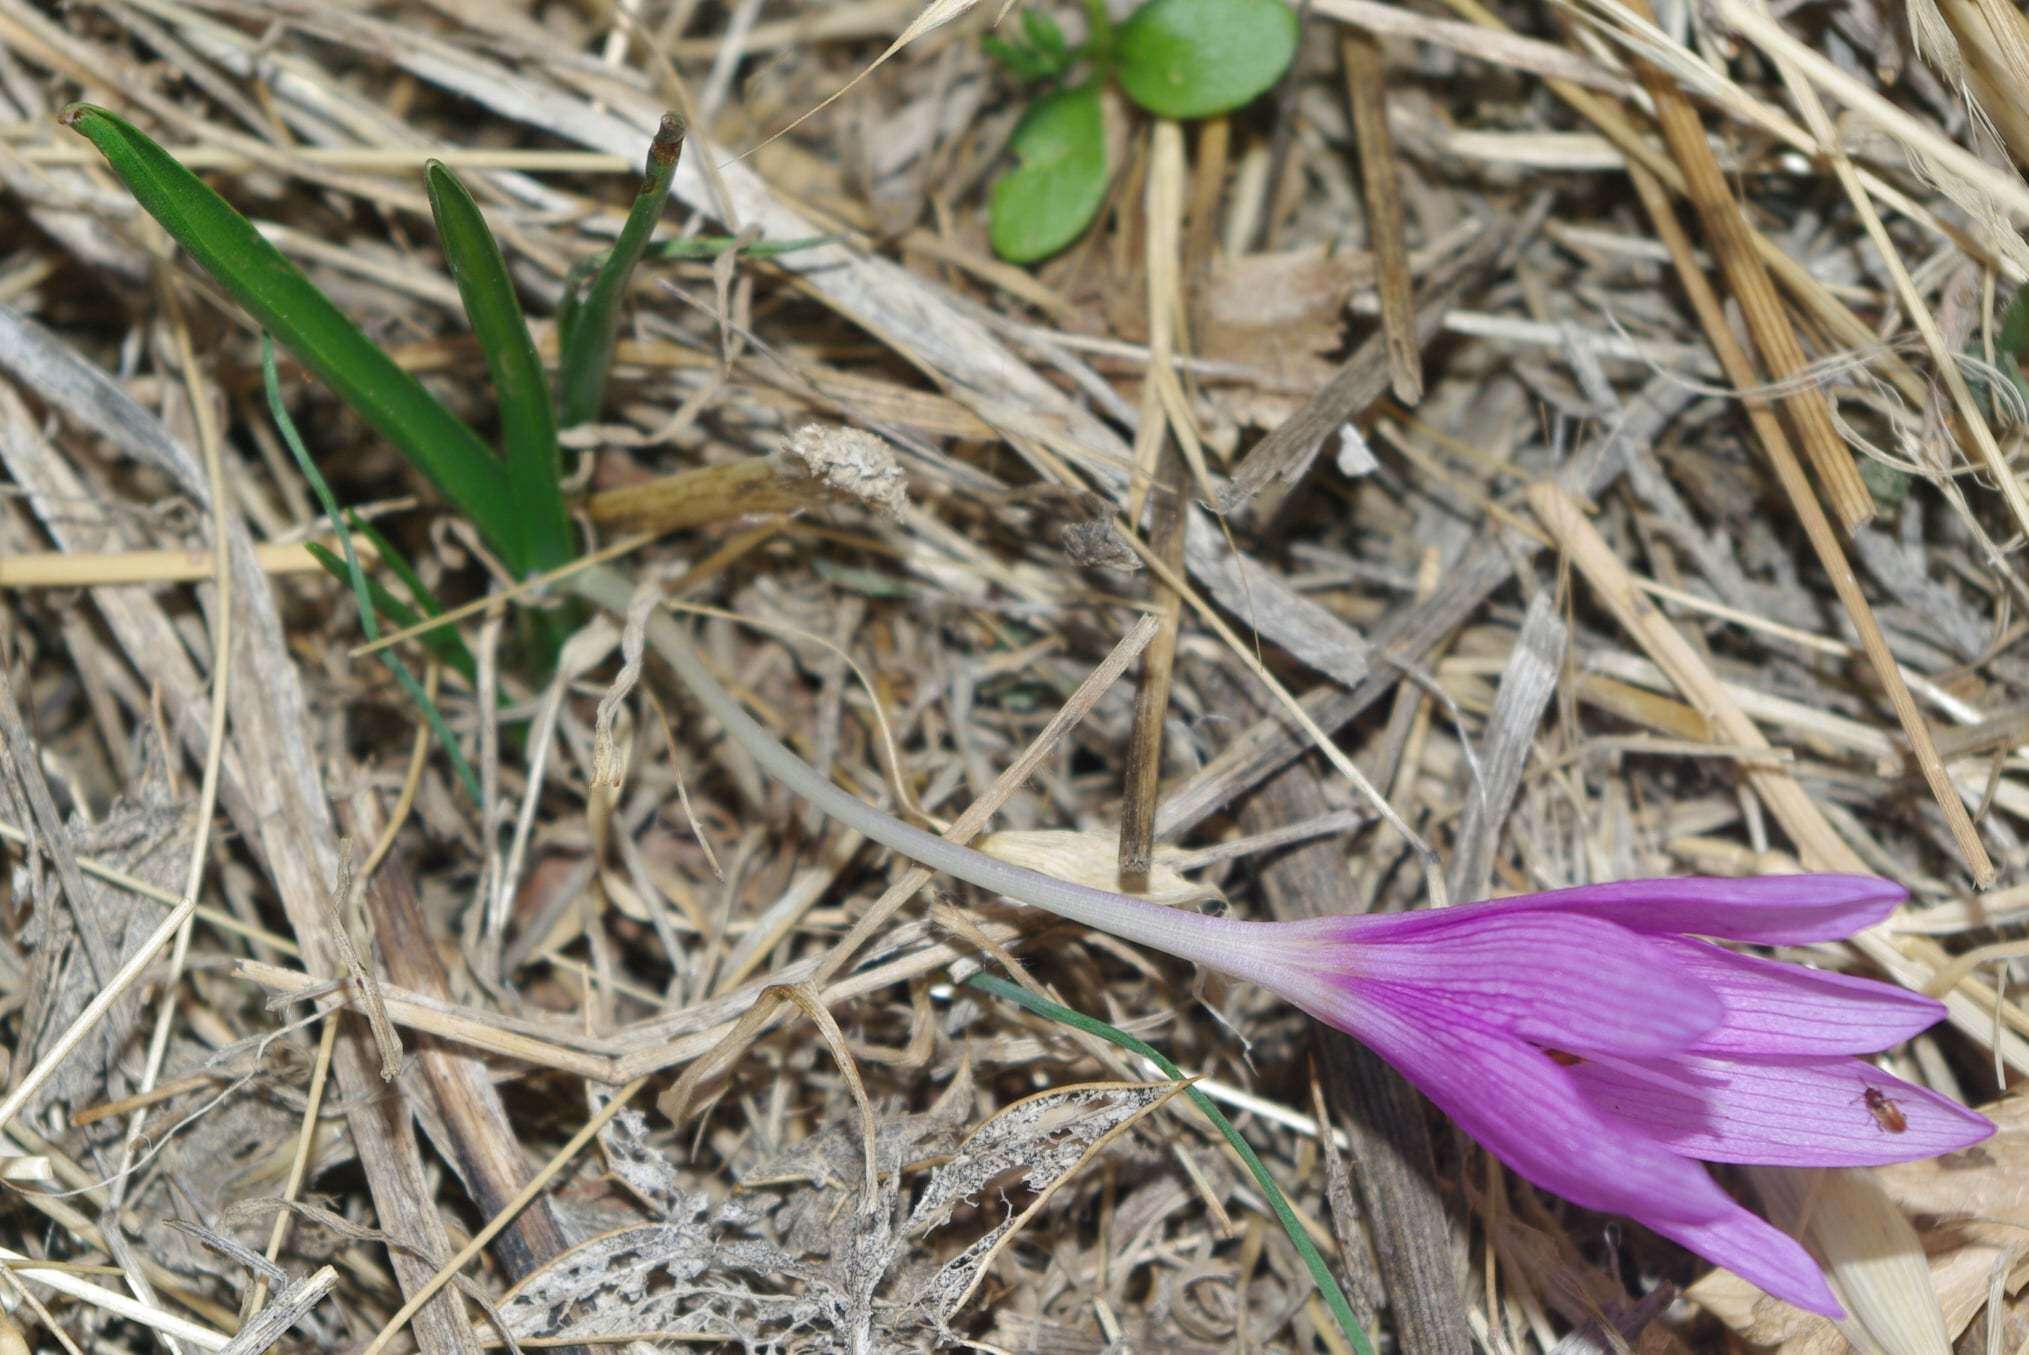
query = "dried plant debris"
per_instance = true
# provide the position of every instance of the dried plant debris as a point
(880, 1269)
(74, 946)
(852, 462)
(910, 487)
(690, 1274)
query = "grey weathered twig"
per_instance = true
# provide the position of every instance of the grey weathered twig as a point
(1526, 684)
(481, 1142)
(272, 1323)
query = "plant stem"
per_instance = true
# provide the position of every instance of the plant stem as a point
(1225, 944)
(1098, 48)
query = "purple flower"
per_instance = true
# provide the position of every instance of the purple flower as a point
(1583, 1035)
(1591, 1043)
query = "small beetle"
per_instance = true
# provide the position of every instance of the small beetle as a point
(1884, 1110)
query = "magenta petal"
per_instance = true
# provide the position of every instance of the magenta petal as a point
(1571, 983)
(1523, 1107)
(1790, 1112)
(1759, 1253)
(1778, 1008)
(1784, 909)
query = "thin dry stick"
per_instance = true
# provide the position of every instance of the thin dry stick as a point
(163, 1091)
(1163, 207)
(416, 1011)
(90, 569)
(299, 1162)
(95, 1011)
(498, 601)
(1726, 229)
(536, 1185)
(806, 997)
(392, 159)
(412, 780)
(1366, 89)
(119, 1305)
(1208, 188)
(891, 756)
(1689, 140)
(1143, 776)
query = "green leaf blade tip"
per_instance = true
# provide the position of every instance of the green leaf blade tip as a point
(283, 301)
(595, 320)
(528, 424)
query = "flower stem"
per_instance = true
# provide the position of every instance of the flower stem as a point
(1221, 943)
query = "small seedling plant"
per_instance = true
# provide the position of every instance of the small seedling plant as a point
(1172, 58)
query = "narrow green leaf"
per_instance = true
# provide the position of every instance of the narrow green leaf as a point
(573, 301)
(528, 423)
(420, 594)
(1023, 63)
(1046, 202)
(2015, 324)
(442, 641)
(1045, 36)
(288, 305)
(357, 576)
(1099, 33)
(588, 347)
(1196, 58)
(710, 246)
(1320, 1273)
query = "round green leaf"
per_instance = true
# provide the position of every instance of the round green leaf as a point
(1047, 201)
(1196, 58)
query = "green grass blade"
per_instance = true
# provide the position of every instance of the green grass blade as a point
(572, 304)
(443, 642)
(357, 576)
(1320, 1274)
(289, 306)
(390, 554)
(595, 321)
(425, 602)
(710, 246)
(2015, 325)
(528, 422)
